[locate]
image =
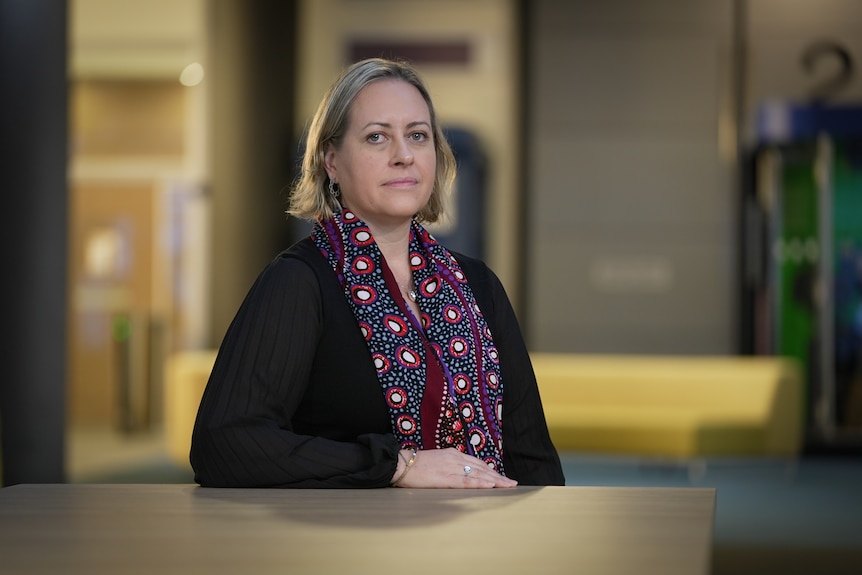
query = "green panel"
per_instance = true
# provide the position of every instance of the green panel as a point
(797, 267)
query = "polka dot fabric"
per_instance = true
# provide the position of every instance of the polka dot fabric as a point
(468, 405)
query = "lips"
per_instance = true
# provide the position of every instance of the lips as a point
(402, 182)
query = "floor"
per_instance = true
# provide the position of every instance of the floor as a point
(799, 516)
(772, 516)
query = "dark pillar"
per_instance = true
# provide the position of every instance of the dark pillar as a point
(253, 148)
(33, 246)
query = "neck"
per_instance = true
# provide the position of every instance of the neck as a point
(394, 244)
(395, 247)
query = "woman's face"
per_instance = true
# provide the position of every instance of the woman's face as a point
(385, 163)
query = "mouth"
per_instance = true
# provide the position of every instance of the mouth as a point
(402, 183)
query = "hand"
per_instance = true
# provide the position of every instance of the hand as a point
(445, 468)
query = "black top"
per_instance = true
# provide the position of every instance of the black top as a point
(294, 401)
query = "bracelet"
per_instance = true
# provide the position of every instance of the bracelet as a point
(406, 467)
(401, 456)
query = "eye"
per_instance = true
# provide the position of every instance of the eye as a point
(419, 136)
(375, 137)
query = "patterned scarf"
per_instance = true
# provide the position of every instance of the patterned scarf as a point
(468, 403)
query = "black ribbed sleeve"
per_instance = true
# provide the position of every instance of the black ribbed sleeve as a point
(244, 435)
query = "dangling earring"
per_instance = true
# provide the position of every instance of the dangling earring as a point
(334, 189)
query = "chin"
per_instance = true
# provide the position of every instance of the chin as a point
(405, 209)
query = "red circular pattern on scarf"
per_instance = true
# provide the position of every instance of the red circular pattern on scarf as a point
(458, 346)
(417, 262)
(467, 411)
(477, 438)
(407, 357)
(367, 331)
(462, 384)
(395, 324)
(361, 237)
(430, 286)
(381, 362)
(452, 314)
(396, 397)
(363, 295)
(363, 265)
(406, 424)
(492, 380)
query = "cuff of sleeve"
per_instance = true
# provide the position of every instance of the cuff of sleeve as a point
(384, 453)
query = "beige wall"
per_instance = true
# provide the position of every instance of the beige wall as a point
(631, 223)
(481, 96)
(133, 38)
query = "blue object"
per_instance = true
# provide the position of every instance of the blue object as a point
(783, 122)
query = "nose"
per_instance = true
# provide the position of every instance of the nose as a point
(401, 153)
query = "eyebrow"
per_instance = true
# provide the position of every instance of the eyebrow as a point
(388, 125)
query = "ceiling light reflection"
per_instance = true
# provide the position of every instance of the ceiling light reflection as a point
(192, 75)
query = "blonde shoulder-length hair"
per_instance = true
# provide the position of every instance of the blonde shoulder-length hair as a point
(310, 198)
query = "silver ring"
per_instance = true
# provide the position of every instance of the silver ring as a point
(467, 470)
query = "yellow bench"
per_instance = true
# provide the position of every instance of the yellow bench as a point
(186, 375)
(672, 406)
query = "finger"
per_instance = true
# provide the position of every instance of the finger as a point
(476, 483)
(477, 467)
(483, 474)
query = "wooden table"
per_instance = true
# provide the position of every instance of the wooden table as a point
(127, 529)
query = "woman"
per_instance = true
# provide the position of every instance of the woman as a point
(367, 355)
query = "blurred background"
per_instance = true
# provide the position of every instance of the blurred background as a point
(647, 177)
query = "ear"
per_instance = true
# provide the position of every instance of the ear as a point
(329, 162)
